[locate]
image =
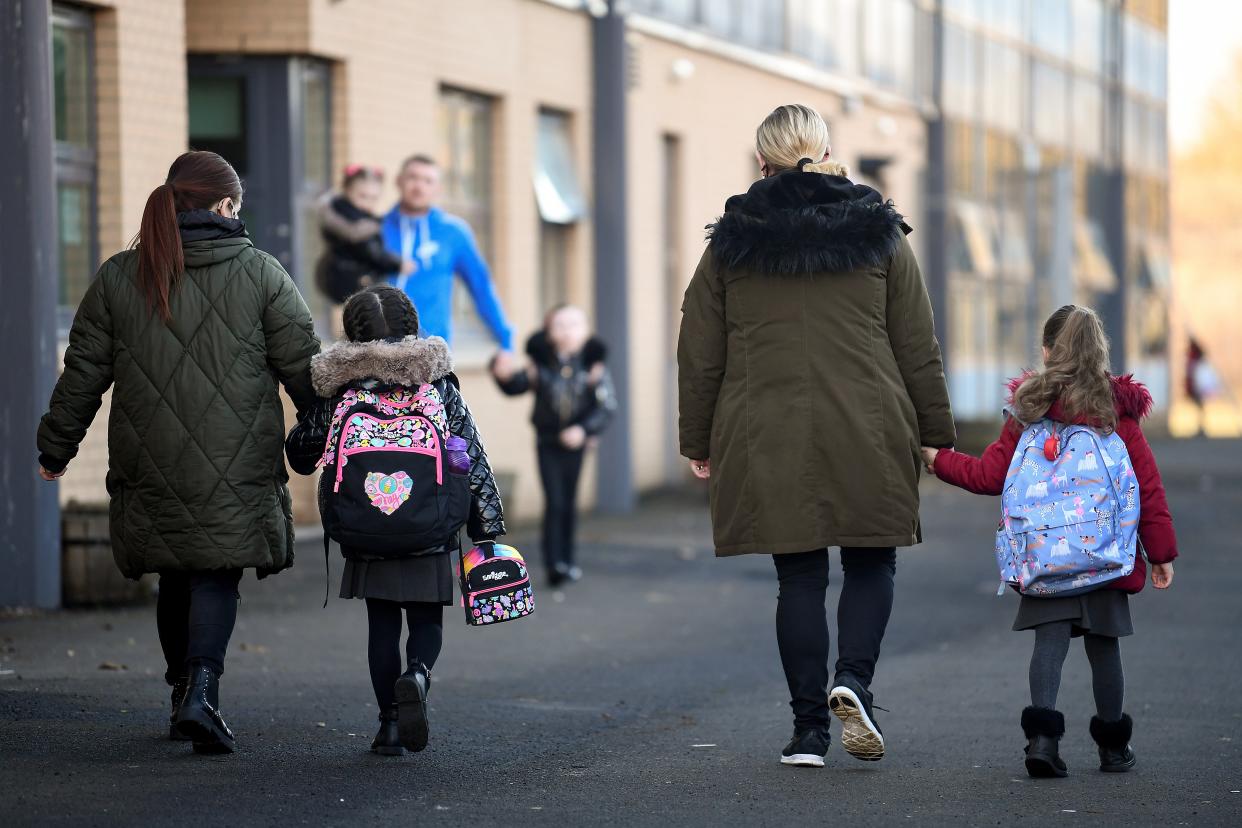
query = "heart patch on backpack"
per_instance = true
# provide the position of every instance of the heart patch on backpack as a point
(388, 491)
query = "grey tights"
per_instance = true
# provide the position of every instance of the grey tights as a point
(1107, 679)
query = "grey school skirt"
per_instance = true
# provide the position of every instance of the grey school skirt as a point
(425, 578)
(1100, 612)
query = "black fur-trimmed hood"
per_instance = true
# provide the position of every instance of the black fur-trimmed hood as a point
(540, 350)
(408, 362)
(806, 222)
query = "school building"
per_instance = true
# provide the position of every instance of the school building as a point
(588, 143)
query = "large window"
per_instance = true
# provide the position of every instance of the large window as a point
(1088, 16)
(1050, 91)
(73, 80)
(961, 73)
(1003, 93)
(466, 160)
(558, 197)
(1088, 121)
(889, 43)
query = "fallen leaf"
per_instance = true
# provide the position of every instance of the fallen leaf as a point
(321, 724)
(254, 648)
(112, 665)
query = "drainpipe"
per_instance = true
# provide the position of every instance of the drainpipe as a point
(29, 510)
(615, 484)
(936, 218)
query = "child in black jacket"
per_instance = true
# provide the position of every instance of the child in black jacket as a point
(354, 254)
(574, 402)
(384, 356)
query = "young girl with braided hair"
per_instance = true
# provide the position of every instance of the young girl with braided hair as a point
(383, 353)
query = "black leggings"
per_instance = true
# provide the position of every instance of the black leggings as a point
(802, 622)
(384, 642)
(559, 470)
(1052, 642)
(195, 614)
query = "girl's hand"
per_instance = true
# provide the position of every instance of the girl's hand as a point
(1162, 575)
(929, 459)
(50, 476)
(702, 468)
(574, 437)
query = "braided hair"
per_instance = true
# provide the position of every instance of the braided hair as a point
(379, 312)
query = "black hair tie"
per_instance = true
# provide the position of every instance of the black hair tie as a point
(802, 162)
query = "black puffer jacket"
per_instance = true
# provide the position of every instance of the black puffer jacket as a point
(354, 251)
(410, 363)
(565, 394)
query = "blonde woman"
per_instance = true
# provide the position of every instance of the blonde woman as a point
(809, 377)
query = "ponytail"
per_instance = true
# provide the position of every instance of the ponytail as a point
(160, 259)
(1075, 372)
(196, 181)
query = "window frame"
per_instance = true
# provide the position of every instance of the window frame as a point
(73, 164)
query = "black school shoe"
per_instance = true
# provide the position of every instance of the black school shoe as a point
(807, 748)
(411, 689)
(850, 702)
(387, 741)
(198, 718)
(1044, 728)
(1113, 739)
(178, 693)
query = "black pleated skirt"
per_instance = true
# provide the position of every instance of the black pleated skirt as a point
(1099, 612)
(425, 578)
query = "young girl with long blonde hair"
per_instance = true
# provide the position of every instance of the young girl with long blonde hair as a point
(1075, 387)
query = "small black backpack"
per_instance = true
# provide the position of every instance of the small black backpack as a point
(392, 486)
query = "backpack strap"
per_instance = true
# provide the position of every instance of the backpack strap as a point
(327, 571)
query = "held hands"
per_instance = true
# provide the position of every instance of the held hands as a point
(702, 468)
(50, 476)
(504, 366)
(929, 459)
(1162, 575)
(408, 266)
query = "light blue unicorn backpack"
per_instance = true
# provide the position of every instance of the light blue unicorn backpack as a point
(1069, 511)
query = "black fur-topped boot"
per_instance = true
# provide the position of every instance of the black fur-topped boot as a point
(1044, 728)
(198, 717)
(411, 688)
(1113, 739)
(178, 693)
(387, 741)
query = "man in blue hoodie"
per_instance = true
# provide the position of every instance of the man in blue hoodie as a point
(442, 247)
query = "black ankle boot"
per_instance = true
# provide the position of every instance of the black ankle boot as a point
(1113, 739)
(1044, 728)
(411, 689)
(178, 693)
(387, 741)
(198, 718)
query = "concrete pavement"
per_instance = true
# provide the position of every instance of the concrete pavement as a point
(649, 694)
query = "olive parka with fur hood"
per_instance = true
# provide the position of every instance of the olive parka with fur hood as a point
(809, 369)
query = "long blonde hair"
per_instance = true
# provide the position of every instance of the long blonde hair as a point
(1075, 372)
(791, 133)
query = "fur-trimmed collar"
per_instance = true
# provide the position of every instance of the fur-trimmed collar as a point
(539, 349)
(408, 362)
(803, 222)
(1131, 397)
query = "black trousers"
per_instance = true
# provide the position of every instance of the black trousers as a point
(426, 622)
(195, 614)
(802, 622)
(559, 469)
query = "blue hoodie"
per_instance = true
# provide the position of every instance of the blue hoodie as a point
(443, 247)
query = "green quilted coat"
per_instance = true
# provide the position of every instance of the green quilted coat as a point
(196, 470)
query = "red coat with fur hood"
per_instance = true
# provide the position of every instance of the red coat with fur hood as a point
(986, 474)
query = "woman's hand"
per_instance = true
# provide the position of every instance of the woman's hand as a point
(1162, 575)
(50, 476)
(702, 468)
(929, 459)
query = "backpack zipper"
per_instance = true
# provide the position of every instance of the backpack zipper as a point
(341, 451)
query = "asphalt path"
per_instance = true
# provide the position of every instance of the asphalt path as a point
(648, 694)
